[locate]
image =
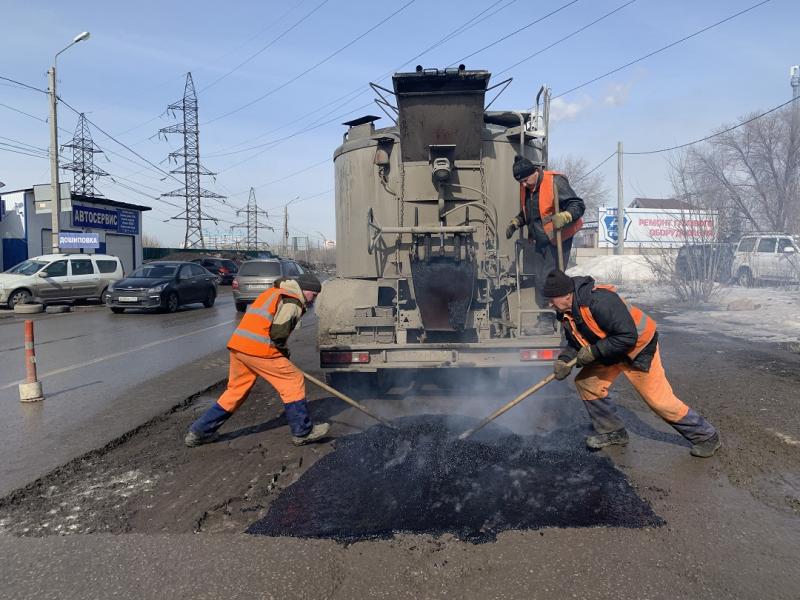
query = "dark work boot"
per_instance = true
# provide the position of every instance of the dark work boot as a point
(702, 434)
(204, 429)
(192, 439)
(601, 440)
(708, 448)
(303, 431)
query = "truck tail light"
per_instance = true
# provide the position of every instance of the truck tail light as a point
(531, 355)
(342, 358)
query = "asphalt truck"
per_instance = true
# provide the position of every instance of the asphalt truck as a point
(425, 277)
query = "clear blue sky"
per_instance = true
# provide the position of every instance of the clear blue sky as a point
(135, 63)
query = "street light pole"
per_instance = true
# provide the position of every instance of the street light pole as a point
(55, 206)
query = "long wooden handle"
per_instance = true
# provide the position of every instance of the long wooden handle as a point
(556, 210)
(560, 249)
(506, 407)
(347, 399)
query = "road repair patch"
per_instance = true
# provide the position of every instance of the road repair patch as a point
(422, 479)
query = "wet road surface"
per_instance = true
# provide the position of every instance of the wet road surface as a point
(103, 374)
(730, 529)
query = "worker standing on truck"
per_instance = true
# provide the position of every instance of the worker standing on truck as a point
(609, 336)
(547, 203)
(258, 347)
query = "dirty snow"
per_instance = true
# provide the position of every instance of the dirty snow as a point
(774, 318)
(617, 269)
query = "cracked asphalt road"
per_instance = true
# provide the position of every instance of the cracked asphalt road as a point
(148, 517)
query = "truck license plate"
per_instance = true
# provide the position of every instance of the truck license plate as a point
(128, 299)
(253, 286)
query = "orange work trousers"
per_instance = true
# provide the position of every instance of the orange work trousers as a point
(244, 369)
(594, 381)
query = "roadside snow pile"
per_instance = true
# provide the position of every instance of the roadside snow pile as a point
(774, 316)
(617, 269)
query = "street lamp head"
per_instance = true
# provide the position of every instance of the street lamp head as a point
(84, 35)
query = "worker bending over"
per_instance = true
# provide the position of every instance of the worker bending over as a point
(258, 347)
(608, 336)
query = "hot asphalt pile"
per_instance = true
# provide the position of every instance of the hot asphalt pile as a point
(422, 479)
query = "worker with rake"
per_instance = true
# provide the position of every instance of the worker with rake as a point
(607, 336)
(258, 348)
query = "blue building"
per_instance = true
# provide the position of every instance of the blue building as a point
(26, 225)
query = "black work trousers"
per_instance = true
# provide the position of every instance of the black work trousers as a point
(537, 261)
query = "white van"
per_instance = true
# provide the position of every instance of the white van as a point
(59, 277)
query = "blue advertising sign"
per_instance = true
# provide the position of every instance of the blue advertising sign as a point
(69, 239)
(96, 218)
(128, 222)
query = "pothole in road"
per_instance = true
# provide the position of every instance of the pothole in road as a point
(422, 479)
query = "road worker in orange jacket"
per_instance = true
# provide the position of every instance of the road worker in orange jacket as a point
(609, 336)
(258, 348)
(547, 204)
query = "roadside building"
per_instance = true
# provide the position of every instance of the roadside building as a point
(87, 224)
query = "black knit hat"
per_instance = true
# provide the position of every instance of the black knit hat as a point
(557, 283)
(309, 283)
(523, 168)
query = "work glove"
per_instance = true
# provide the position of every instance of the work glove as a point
(513, 225)
(586, 356)
(562, 219)
(562, 369)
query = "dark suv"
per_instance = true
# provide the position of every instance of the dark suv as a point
(705, 262)
(223, 268)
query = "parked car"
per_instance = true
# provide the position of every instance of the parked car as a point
(255, 276)
(707, 262)
(223, 268)
(164, 285)
(58, 278)
(762, 257)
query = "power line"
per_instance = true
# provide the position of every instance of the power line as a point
(515, 32)
(25, 85)
(273, 41)
(670, 45)
(687, 144)
(22, 112)
(361, 89)
(308, 70)
(600, 164)
(273, 143)
(565, 38)
(713, 135)
(29, 146)
(22, 152)
(112, 138)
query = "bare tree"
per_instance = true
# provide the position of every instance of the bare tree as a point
(751, 174)
(150, 241)
(591, 188)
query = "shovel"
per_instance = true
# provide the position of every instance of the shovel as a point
(531, 390)
(347, 399)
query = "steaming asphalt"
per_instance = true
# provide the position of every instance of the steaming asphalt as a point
(730, 524)
(103, 374)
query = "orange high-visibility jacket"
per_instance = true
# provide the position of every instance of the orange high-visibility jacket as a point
(252, 335)
(645, 326)
(547, 208)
